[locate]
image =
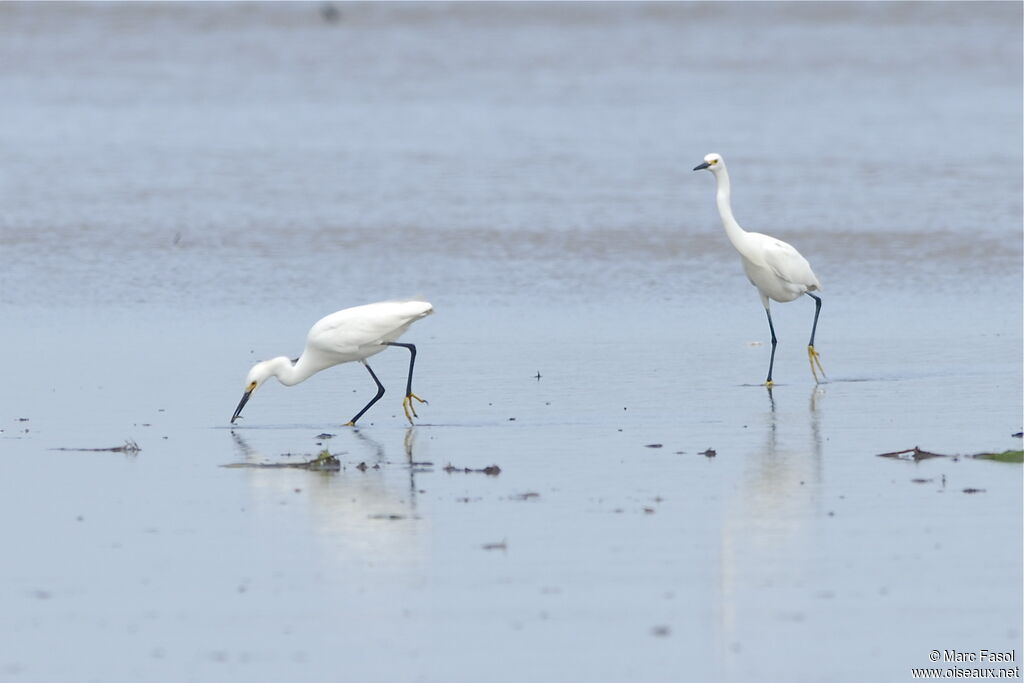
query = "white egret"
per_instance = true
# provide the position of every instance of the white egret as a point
(348, 335)
(777, 269)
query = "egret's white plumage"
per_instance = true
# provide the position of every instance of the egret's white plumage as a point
(352, 334)
(776, 268)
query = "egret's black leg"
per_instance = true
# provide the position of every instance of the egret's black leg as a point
(771, 363)
(412, 362)
(817, 311)
(812, 354)
(380, 392)
(407, 406)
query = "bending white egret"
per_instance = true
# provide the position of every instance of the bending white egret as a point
(351, 334)
(777, 269)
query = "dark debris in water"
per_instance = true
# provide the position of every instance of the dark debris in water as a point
(495, 546)
(972, 490)
(709, 453)
(329, 13)
(916, 454)
(529, 495)
(490, 471)
(653, 445)
(129, 447)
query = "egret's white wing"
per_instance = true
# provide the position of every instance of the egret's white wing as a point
(347, 330)
(787, 263)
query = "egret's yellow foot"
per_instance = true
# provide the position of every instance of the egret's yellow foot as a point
(769, 384)
(815, 360)
(409, 408)
(350, 423)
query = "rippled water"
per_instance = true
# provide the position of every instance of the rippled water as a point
(187, 187)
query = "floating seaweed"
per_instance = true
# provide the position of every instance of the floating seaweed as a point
(325, 462)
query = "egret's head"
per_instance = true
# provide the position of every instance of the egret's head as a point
(713, 162)
(257, 376)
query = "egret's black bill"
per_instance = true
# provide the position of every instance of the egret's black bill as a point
(704, 165)
(241, 404)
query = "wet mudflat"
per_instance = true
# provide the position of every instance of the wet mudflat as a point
(588, 309)
(585, 537)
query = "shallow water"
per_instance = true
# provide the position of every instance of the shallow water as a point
(188, 187)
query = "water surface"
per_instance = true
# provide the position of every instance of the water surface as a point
(186, 188)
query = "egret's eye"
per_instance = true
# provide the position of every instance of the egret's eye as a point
(713, 162)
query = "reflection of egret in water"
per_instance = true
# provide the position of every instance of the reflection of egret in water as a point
(413, 467)
(764, 529)
(360, 513)
(779, 489)
(248, 453)
(817, 396)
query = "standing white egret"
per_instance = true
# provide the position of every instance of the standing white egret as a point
(351, 334)
(777, 269)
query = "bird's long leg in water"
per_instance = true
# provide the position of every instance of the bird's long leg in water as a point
(812, 354)
(380, 392)
(407, 404)
(771, 363)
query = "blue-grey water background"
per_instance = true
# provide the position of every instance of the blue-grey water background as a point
(185, 188)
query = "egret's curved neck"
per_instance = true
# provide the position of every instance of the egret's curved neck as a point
(289, 373)
(733, 230)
